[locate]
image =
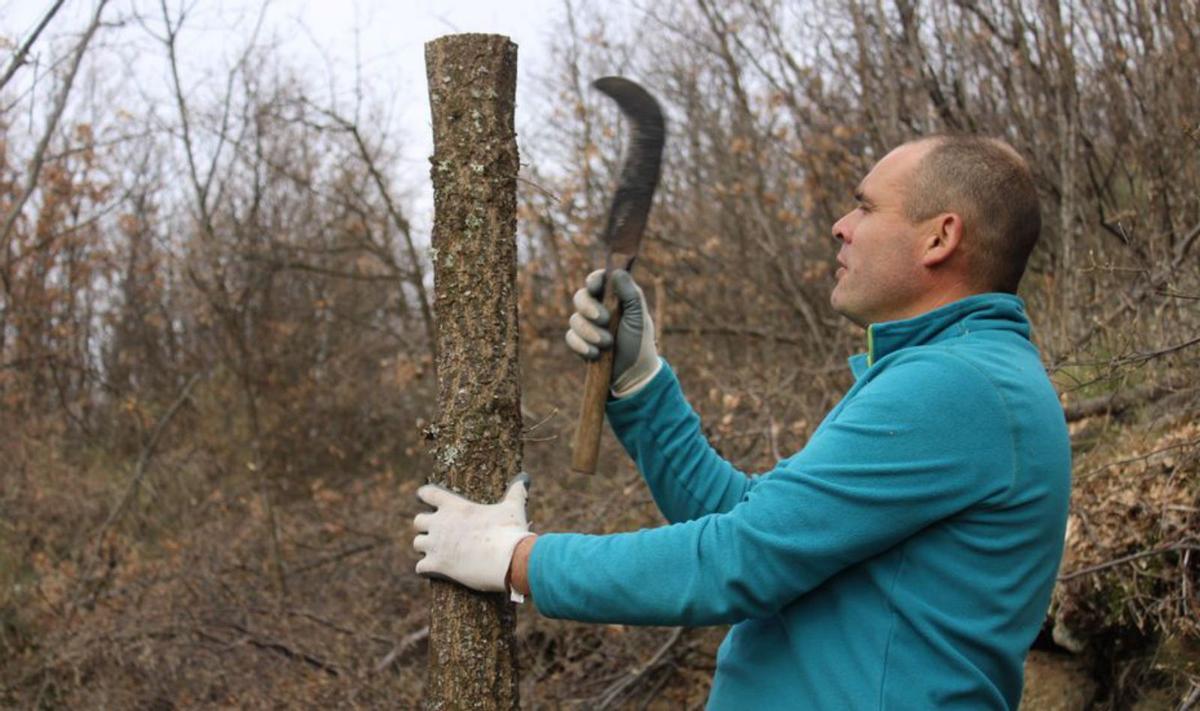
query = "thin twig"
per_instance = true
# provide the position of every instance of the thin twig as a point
(527, 432)
(611, 695)
(539, 188)
(1174, 295)
(1150, 355)
(1132, 460)
(146, 454)
(321, 621)
(346, 553)
(1180, 545)
(406, 644)
(271, 645)
(539, 423)
(1191, 699)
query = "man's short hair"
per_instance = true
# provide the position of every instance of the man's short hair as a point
(990, 185)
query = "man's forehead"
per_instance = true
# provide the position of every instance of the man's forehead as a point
(892, 170)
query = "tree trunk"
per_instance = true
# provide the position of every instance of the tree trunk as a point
(472, 88)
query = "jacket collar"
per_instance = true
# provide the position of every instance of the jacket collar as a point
(981, 312)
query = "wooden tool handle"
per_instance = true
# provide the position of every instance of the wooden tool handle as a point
(595, 394)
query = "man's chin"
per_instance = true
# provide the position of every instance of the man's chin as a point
(845, 310)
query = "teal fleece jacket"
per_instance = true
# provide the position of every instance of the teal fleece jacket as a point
(903, 559)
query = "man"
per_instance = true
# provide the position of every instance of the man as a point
(904, 558)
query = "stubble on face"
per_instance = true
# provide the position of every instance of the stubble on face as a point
(879, 272)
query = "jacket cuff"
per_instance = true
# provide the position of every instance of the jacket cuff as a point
(632, 406)
(638, 384)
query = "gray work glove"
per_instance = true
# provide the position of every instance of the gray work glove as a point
(635, 362)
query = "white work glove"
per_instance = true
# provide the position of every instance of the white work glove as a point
(635, 362)
(469, 543)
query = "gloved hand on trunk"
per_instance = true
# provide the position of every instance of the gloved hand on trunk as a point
(470, 543)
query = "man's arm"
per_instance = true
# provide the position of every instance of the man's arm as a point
(661, 432)
(648, 412)
(922, 442)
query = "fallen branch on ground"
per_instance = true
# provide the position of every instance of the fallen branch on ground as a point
(614, 693)
(1180, 545)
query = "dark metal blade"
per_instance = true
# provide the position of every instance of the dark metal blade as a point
(642, 165)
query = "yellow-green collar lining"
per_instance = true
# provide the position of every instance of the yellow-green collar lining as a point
(870, 345)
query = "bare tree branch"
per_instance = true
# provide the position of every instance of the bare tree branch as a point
(18, 59)
(35, 164)
(147, 453)
(416, 275)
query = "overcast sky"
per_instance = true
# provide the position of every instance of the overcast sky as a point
(381, 41)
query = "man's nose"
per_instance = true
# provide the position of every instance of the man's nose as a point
(839, 229)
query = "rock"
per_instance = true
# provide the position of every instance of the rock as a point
(1056, 682)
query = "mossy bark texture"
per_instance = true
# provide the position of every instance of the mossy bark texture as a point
(477, 434)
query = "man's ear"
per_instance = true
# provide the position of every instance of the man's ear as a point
(943, 240)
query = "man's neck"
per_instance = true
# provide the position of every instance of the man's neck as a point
(931, 300)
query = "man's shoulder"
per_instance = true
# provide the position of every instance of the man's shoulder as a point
(933, 370)
(927, 390)
(968, 362)
(974, 384)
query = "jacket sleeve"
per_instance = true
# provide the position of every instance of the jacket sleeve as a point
(923, 440)
(661, 432)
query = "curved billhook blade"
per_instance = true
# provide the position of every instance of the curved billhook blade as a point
(643, 161)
